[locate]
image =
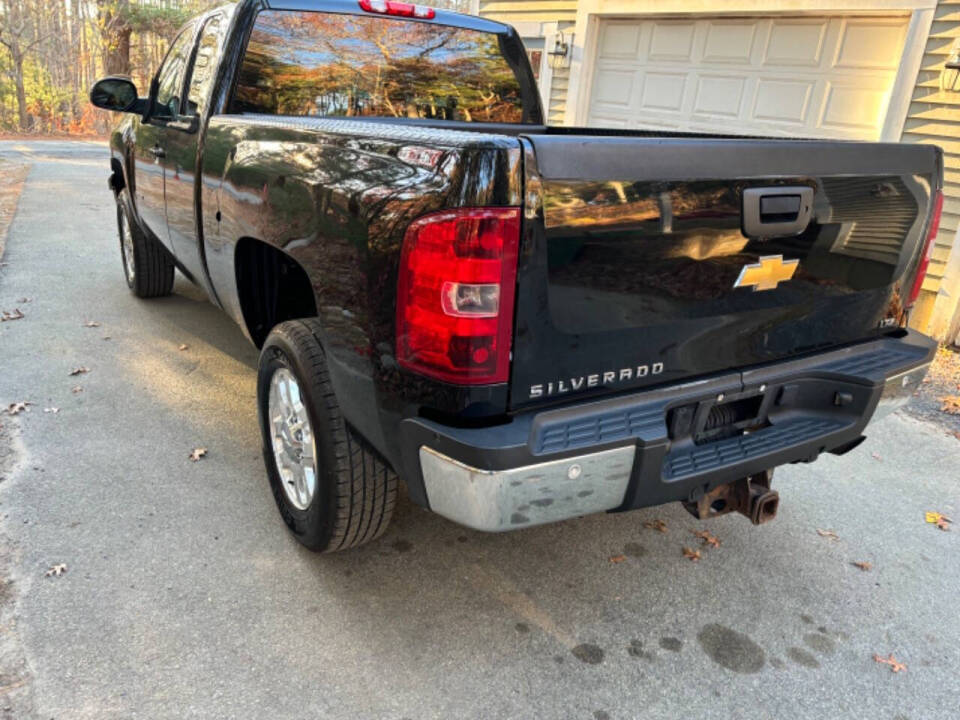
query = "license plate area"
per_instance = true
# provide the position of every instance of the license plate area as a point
(719, 418)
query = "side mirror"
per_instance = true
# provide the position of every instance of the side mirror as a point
(117, 94)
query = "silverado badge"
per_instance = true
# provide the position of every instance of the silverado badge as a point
(766, 274)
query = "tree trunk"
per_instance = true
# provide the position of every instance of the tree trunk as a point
(22, 118)
(116, 59)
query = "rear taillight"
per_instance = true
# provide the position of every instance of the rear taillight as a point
(455, 294)
(398, 9)
(927, 249)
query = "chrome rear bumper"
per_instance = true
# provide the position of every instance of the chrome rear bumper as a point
(898, 389)
(496, 500)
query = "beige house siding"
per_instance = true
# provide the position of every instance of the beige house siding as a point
(564, 12)
(514, 11)
(934, 117)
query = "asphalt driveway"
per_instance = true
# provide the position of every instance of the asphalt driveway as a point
(184, 596)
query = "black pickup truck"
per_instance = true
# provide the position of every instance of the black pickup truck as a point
(524, 323)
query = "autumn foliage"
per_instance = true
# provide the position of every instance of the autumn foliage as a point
(52, 51)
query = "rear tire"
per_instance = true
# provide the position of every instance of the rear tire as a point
(147, 267)
(353, 489)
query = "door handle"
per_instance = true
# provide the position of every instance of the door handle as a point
(776, 211)
(158, 152)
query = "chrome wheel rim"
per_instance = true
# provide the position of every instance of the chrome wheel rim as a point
(126, 243)
(294, 450)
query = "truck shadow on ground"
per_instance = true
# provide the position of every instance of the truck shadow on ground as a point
(190, 314)
(589, 591)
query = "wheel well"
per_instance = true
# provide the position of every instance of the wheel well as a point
(116, 178)
(272, 287)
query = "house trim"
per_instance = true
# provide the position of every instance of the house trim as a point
(547, 31)
(591, 12)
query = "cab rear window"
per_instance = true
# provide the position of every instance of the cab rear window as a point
(318, 64)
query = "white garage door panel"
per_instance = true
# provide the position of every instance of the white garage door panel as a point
(821, 76)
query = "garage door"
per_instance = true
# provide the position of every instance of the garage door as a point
(821, 76)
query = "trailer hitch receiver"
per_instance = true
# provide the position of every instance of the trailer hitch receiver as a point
(750, 496)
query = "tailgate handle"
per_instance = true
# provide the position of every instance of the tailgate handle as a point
(776, 211)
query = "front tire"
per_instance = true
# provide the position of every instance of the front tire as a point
(332, 489)
(147, 267)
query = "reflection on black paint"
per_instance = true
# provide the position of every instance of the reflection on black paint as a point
(624, 275)
(624, 255)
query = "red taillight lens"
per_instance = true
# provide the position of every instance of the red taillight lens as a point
(927, 249)
(458, 271)
(398, 9)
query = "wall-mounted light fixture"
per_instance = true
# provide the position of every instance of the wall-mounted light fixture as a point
(950, 75)
(561, 50)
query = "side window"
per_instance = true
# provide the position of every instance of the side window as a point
(170, 76)
(205, 65)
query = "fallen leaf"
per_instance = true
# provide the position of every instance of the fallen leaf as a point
(76, 389)
(106, 337)
(708, 539)
(18, 407)
(79, 371)
(950, 404)
(618, 558)
(24, 300)
(938, 519)
(658, 525)
(184, 346)
(829, 534)
(51, 410)
(895, 665)
(56, 570)
(91, 323)
(692, 555)
(863, 565)
(876, 457)
(957, 435)
(197, 454)
(14, 314)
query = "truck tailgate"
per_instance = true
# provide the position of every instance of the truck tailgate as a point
(651, 260)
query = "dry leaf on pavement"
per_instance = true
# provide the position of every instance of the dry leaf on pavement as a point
(938, 519)
(950, 404)
(708, 538)
(658, 525)
(895, 665)
(197, 453)
(56, 570)
(184, 346)
(692, 555)
(51, 410)
(91, 323)
(76, 389)
(14, 314)
(863, 565)
(618, 558)
(875, 456)
(79, 371)
(24, 300)
(18, 407)
(829, 534)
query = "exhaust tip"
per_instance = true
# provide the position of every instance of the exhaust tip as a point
(765, 507)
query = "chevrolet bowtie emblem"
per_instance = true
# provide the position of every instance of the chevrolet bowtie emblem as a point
(766, 274)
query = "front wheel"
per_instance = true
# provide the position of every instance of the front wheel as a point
(332, 489)
(147, 267)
